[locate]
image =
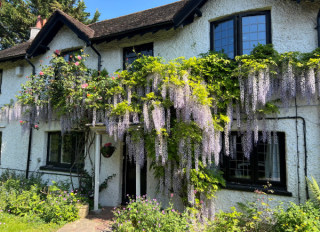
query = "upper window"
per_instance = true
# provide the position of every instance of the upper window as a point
(239, 34)
(130, 54)
(64, 151)
(266, 162)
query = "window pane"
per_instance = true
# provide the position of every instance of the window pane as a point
(268, 161)
(67, 149)
(224, 38)
(54, 141)
(130, 54)
(239, 165)
(254, 31)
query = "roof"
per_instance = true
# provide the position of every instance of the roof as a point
(155, 16)
(15, 52)
(163, 17)
(82, 27)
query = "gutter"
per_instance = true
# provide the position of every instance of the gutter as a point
(31, 130)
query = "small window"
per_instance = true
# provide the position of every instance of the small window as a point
(1, 73)
(266, 163)
(130, 54)
(239, 34)
(64, 151)
(69, 56)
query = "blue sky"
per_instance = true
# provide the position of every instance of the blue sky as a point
(115, 8)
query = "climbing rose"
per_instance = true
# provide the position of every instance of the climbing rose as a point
(112, 78)
(41, 73)
(76, 64)
(79, 57)
(85, 85)
(36, 126)
(57, 52)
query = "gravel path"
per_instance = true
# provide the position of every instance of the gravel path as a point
(100, 222)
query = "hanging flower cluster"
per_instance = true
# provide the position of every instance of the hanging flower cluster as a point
(180, 113)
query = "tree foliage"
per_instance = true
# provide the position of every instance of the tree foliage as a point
(17, 16)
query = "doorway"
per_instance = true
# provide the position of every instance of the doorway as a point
(129, 179)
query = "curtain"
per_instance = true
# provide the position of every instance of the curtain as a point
(272, 162)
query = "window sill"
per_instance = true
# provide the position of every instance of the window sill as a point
(252, 188)
(58, 169)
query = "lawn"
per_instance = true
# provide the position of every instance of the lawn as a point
(12, 223)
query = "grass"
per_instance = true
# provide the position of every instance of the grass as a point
(12, 223)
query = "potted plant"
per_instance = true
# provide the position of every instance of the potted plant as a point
(107, 150)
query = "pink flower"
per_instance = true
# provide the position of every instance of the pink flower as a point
(76, 64)
(21, 121)
(57, 52)
(41, 73)
(36, 126)
(85, 85)
(112, 78)
(79, 57)
(171, 195)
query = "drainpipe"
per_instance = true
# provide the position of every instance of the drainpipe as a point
(30, 131)
(99, 55)
(318, 28)
(305, 148)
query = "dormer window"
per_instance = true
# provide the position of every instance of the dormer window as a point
(239, 34)
(130, 54)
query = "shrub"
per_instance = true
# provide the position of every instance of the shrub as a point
(31, 198)
(225, 222)
(146, 215)
(304, 217)
(315, 189)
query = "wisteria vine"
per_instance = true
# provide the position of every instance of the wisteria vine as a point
(180, 113)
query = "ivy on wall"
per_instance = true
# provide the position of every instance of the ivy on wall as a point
(176, 112)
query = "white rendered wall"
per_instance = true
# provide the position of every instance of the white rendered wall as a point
(292, 30)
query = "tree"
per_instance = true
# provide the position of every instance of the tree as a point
(17, 16)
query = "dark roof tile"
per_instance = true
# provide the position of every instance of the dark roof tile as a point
(147, 18)
(14, 52)
(82, 27)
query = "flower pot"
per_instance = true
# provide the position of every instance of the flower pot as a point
(107, 150)
(83, 210)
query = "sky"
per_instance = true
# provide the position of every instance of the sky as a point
(115, 8)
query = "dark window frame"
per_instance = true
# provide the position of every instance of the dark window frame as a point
(70, 52)
(237, 27)
(138, 49)
(253, 182)
(59, 164)
(1, 77)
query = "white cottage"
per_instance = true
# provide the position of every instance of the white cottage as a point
(184, 28)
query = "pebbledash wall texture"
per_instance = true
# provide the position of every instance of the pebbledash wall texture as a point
(293, 29)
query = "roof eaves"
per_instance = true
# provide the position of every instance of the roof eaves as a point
(192, 7)
(141, 30)
(12, 58)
